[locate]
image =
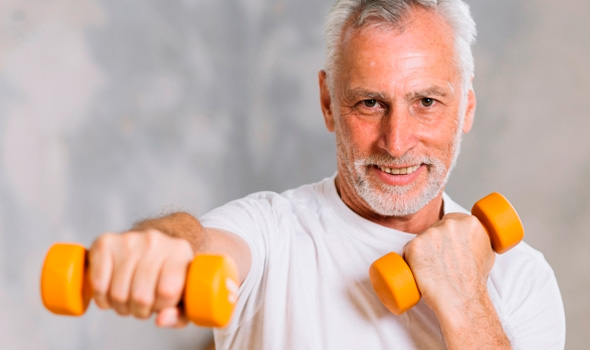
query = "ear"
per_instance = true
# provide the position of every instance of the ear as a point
(469, 111)
(326, 101)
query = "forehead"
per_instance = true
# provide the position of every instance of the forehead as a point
(422, 47)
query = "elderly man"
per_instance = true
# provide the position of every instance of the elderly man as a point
(397, 92)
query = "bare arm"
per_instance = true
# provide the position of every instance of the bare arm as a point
(451, 262)
(179, 225)
(202, 240)
(143, 271)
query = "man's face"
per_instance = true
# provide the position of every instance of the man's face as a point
(398, 111)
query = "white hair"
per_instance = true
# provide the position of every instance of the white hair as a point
(359, 13)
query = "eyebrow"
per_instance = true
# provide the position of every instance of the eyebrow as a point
(354, 93)
(371, 95)
(430, 91)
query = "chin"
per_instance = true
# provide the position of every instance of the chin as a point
(398, 201)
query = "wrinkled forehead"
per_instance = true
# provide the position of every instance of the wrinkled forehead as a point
(422, 46)
(382, 59)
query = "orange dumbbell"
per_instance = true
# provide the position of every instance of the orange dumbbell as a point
(393, 280)
(209, 296)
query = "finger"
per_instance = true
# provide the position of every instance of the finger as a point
(123, 271)
(143, 288)
(100, 260)
(171, 317)
(171, 283)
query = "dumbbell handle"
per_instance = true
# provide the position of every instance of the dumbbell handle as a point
(209, 296)
(393, 280)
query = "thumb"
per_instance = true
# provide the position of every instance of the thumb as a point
(171, 317)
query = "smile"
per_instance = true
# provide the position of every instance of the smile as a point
(399, 171)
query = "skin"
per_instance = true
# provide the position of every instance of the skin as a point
(142, 271)
(375, 109)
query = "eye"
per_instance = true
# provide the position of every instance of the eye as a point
(370, 103)
(427, 102)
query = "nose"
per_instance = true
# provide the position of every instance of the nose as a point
(398, 132)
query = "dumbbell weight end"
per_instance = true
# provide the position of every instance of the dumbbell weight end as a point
(65, 285)
(391, 270)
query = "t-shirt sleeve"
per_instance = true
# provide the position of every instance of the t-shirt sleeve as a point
(533, 313)
(250, 218)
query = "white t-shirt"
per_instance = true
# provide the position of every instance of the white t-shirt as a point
(308, 286)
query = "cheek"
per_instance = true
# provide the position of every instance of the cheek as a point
(347, 149)
(447, 142)
(439, 139)
(357, 133)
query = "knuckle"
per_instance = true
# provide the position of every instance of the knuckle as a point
(142, 314)
(170, 289)
(122, 311)
(99, 281)
(100, 299)
(153, 238)
(152, 232)
(103, 242)
(413, 247)
(472, 221)
(102, 304)
(98, 286)
(454, 219)
(129, 241)
(118, 297)
(475, 227)
(449, 223)
(166, 293)
(142, 299)
(420, 242)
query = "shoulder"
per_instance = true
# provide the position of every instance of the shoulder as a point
(528, 299)
(522, 279)
(521, 263)
(307, 196)
(310, 195)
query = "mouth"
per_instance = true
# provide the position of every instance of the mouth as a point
(398, 171)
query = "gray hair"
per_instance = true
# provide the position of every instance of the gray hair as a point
(358, 13)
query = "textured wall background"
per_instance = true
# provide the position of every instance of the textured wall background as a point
(113, 111)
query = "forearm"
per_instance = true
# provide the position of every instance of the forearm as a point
(179, 225)
(473, 326)
(202, 240)
(451, 262)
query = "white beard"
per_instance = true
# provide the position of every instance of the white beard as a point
(389, 200)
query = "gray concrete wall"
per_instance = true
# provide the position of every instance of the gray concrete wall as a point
(112, 111)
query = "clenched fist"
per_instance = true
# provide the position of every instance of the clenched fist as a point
(139, 273)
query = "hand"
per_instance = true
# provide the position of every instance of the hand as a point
(139, 273)
(451, 262)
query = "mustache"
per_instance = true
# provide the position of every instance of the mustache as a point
(387, 160)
